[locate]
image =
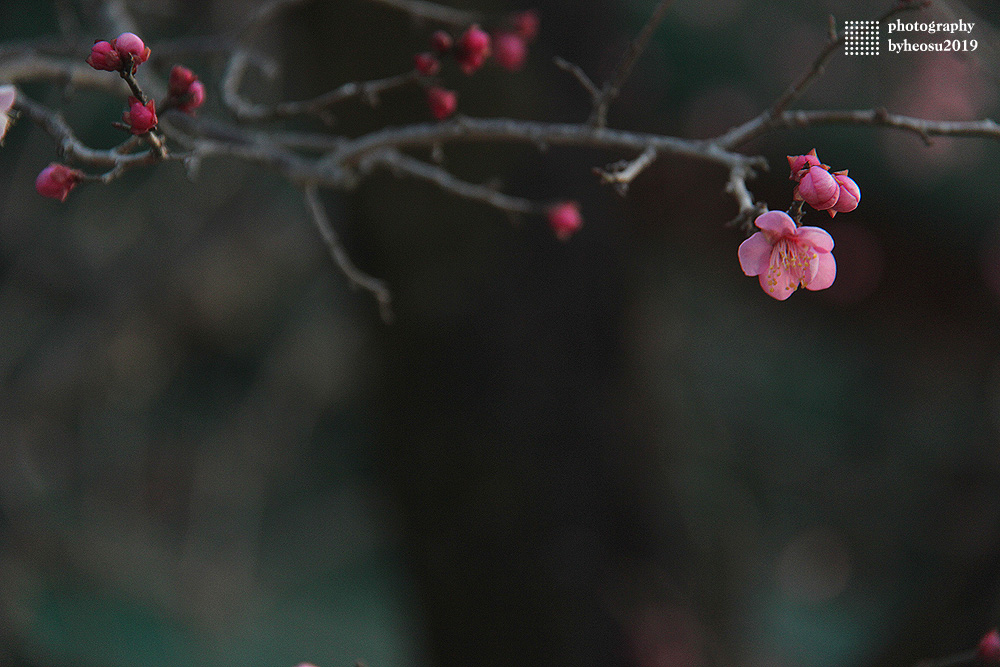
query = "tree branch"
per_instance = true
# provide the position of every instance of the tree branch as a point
(356, 276)
(612, 87)
(405, 165)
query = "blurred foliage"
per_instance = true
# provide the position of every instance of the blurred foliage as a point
(616, 451)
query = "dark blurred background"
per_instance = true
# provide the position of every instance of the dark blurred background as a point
(614, 451)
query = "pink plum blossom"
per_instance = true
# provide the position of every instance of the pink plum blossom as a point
(988, 650)
(849, 196)
(140, 117)
(426, 64)
(8, 94)
(526, 24)
(56, 181)
(565, 219)
(186, 89)
(442, 102)
(104, 56)
(473, 49)
(786, 257)
(818, 188)
(128, 44)
(510, 50)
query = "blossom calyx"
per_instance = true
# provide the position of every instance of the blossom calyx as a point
(104, 56)
(818, 188)
(785, 257)
(140, 117)
(800, 164)
(473, 49)
(565, 219)
(442, 102)
(56, 181)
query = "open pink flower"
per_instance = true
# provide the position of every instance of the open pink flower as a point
(786, 257)
(8, 94)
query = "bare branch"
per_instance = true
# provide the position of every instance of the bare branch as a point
(749, 209)
(356, 276)
(430, 11)
(985, 128)
(369, 91)
(73, 150)
(613, 86)
(580, 76)
(621, 174)
(401, 164)
(504, 130)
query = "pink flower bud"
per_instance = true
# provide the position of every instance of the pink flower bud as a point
(441, 42)
(103, 56)
(181, 79)
(849, 196)
(56, 180)
(426, 64)
(799, 164)
(988, 650)
(565, 219)
(510, 50)
(473, 49)
(442, 102)
(526, 24)
(140, 117)
(128, 44)
(195, 97)
(818, 189)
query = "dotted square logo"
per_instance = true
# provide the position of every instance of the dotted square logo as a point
(861, 38)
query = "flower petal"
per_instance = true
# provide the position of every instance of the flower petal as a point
(817, 237)
(755, 253)
(826, 271)
(7, 96)
(780, 291)
(776, 222)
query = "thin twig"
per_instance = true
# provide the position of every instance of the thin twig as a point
(73, 150)
(356, 276)
(580, 76)
(613, 87)
(758, 125)
(401, 164)
(748, 208)
(621, 174)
